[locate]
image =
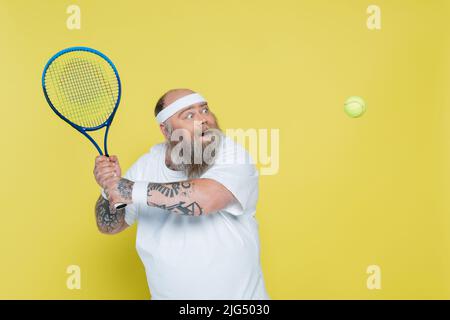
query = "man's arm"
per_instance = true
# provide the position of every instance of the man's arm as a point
(109, 220)
(193, 197)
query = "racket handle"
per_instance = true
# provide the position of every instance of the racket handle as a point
(120, 205)
(117, 205)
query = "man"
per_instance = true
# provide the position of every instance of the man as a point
(194, 198)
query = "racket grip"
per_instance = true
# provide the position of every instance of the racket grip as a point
(117, 205)
(120, 205)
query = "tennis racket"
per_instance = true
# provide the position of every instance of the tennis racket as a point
(82, 86)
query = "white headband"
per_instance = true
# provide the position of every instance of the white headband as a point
(177, 105)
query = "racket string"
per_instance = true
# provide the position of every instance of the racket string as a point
(86, 90)
(83, 87)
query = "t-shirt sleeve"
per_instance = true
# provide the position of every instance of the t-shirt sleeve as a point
(239, 177)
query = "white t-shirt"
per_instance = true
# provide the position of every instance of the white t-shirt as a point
(214, 256)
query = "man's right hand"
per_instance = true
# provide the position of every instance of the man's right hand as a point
(106, 168)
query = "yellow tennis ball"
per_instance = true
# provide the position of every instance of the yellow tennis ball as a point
(355, 106)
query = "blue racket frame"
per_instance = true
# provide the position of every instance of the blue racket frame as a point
(81, 129)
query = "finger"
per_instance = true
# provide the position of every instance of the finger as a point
(100, 171)
(103, 174)
(108, 175)
(116, 166)
(104, 165)
(115, 160)
(107, 169)
(100, 159)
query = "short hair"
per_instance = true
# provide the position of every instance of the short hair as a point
(160, 105)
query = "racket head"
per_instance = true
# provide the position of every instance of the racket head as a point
(82, 86)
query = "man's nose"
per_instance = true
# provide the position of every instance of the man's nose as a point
(203, 119)
(200, 124)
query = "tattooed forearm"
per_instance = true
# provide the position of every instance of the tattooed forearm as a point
(107, 221)
(192, 209)
(125, 187)
(169, 189)
(176, 197)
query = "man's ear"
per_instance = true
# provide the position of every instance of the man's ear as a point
(164, 131)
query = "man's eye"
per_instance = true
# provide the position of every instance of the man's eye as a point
(205, 110)
(189, 116)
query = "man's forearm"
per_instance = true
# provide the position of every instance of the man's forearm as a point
(191, 197)
(178, 197)
(109, 220)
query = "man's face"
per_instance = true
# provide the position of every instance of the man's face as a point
(196, 122)
(193, 136)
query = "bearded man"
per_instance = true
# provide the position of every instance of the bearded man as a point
(194, 200)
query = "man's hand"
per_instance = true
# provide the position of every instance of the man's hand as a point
(106, 168)
(108, 173)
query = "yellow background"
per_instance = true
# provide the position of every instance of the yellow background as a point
(349, 193)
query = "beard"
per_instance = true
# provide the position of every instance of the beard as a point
(195, 155)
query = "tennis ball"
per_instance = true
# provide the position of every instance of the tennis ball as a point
(354, 106)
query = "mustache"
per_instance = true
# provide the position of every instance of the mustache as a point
(189, 146)
(194, 156)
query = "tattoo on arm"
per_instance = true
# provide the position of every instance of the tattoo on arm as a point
(125, 188)
(178, 190)
(170, 190)
(192, 209)
(107, 221)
